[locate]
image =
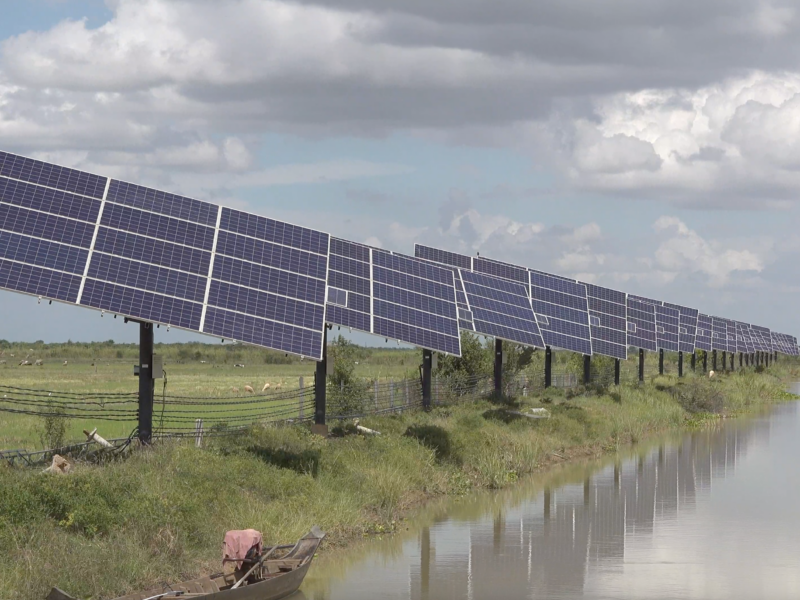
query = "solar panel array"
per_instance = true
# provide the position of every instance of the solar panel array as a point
(704, 331)
(97, 242)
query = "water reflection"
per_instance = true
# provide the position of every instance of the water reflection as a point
(712, 515)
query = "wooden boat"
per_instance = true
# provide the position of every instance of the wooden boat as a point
(270, 578)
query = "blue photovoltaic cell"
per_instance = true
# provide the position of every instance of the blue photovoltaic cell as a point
(667, 324)
(719, 339)
(349, 269)
(45, 226)
(744, 342)
(443, 257)
(687, 331)
(761, 337)
(33, 251)
(148, 277)
(500, 308)
(141, 304)
(417, 336)
(156, 201)
(732, 341)
(502, 270)
(564, 303)
(262, 332)
(160, 253)
(45, 174)
(158, 226)
(268, 279)
(608, 321)
(274, 255)
(704, 329)
(265, 305)
(39, 282)
(278, 232)
(50, 201)
(641, 324)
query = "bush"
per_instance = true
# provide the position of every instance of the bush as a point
(53, 427)
(695, 397)
(432, 437)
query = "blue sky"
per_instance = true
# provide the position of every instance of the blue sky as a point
(612, 157)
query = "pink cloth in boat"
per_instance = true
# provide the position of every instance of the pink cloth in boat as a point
(237, 543)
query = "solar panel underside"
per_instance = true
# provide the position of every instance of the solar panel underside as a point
(608, 321)
(393, 296)
(113, 246)
(703, 338)
(667, 324)
(641, 323)
(687, 326)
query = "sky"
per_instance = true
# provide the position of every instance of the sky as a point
(650, 147)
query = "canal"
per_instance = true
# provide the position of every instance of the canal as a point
(708, 514)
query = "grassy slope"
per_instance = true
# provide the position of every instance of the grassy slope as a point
(160, 514)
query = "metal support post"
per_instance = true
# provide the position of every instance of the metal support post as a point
(616, 371)
(320, 385)
(694, 361)
(548, 367)
(498, 366)
(713, 360)
(641, 365)
(705, 361)
(741, 359)
(427, 366)
(147, 385)
(733, 366)
(587, 369)
(661, 361)
(680, 364)
(724, 361)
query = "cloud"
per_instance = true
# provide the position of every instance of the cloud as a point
(686, 251)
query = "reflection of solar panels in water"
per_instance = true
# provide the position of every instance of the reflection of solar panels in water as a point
(608, 321)
(393, 296)
(667, 324)
(687, 326)
(703, 337)
(494, 306)
(641, 323)
(101, 243)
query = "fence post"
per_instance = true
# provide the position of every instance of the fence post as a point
(376, 394)
(391, 394)
(301, 398)
(198, 433)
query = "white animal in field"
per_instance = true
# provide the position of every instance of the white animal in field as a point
(239, 365)
(235, 390)
(202, 362)
(39, 363)
(279, 385)
(65, 363)
(2, 362)
(25, 363)
(711, 374)
(266, 387)
(249, 389)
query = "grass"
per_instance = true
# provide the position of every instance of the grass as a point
(160, 513)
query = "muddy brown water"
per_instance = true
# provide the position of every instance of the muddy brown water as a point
(711, 514)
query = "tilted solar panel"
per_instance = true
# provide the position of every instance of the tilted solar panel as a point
(761, 338)
(667, 324)
(393, 295)
(114, 246)
(608, 321)
(443, 257)
(641, 324)
(687, 326)
(719, 339)
(704, 330)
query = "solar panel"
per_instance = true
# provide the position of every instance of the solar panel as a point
(719, 339)
(704, 330)
(608, 321)
(667, 324)
(760, 338)
(393, 295)
(443, 257)
(687, 326)
(127, 249)
(641, 324)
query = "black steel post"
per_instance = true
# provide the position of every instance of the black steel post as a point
(321, 382)
(427, 364)
(147, 385)
(641, 364)
(661, 361)
(741, 355)
(705, 361)
(587, 369)
(680, 364)
(747, 359)
(733, 366)
(713, 360)
(548, 367)
(694, 361)
(498, 366)
(724, 361)
(616, 371)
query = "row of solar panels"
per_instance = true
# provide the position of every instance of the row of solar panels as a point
(101, 243)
